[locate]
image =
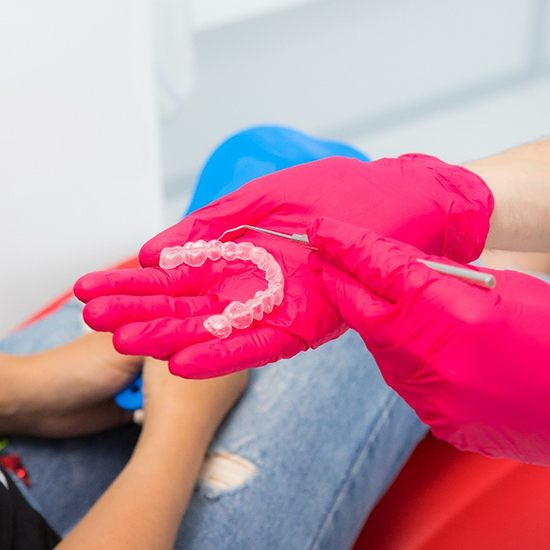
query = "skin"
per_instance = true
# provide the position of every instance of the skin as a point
(144, 505)
(531, 262)
(65, 391)
(520, 182)
(68, 391)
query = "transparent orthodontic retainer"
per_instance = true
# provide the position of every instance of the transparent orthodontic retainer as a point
(237, 315)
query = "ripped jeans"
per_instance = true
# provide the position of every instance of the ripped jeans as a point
(307, 452)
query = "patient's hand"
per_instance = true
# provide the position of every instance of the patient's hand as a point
(65, 391)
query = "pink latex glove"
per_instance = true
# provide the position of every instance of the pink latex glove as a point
(473, 363)
(440, 208)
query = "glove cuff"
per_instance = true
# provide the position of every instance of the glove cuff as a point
(468, 204)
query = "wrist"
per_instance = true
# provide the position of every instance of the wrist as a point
(18, 386)
(519, 180)
(172, 437)
(173, 417)
(514, 210)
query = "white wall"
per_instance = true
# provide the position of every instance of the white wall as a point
(459, 78)
(80, 185)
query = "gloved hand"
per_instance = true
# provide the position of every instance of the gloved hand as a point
(440, 208)
(472, 362)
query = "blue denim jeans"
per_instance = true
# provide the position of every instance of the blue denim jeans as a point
(322, 435)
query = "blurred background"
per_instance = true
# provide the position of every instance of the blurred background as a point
(109, 109)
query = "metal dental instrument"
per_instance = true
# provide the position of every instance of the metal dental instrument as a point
(296, 237)
(485, 280)
(479, 278)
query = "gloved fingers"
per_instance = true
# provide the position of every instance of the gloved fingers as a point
(160, 338)
(359, 308)
(252, 348)
(107, 313)
(389, 268)
(243, 206)
(138, 282)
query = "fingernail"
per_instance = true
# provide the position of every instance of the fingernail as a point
(138, 417)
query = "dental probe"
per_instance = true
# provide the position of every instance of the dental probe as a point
(477, 277)
(486, 280)
(296, 237)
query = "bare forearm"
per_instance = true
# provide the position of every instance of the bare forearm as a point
(520, 182)
(61, 392)
(16, 391)
(144, 505)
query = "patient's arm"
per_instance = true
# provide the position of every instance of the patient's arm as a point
(65, 391)
(144, 505)
(529, 262)
(520, 181)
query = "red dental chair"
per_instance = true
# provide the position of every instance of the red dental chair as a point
(445, 499)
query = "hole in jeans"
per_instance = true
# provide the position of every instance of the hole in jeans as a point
(223, 471)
